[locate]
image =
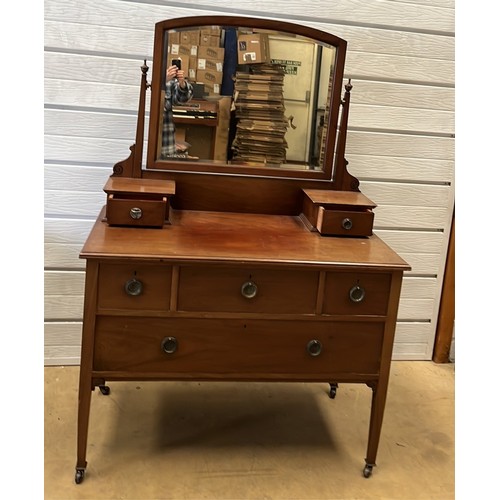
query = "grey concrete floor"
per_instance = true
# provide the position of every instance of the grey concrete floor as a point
(179, 440)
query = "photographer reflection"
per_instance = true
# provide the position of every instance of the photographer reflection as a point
(177, 90)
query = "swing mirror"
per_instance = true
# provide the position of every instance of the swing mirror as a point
(259, 97)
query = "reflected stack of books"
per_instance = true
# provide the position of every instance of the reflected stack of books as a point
(324, 130)
(260, 116)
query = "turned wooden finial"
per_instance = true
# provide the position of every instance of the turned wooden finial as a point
(144, 69)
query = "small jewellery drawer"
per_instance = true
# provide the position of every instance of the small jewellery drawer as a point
(134, 287)
(138, 202)
(212, 347)
(345, 223)
(247, 290)
(356, 293)
(338, 213)
(136, 212)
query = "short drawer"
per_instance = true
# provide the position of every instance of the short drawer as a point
(136, 212)
(338, 213)
(134, 287)
(356, 293)
(345, 223)
(247, 290)
(212, 347)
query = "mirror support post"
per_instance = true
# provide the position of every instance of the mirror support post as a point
(139, 136)
(132, 166)
(344, 181)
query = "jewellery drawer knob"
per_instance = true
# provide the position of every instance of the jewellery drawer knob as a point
(357, 293)
(314, 347)
(135, 213)
(249, 290)
(133, 287)
(169, 345)
(347, 223)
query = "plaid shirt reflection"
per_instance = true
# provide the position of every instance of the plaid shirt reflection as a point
(174, 95)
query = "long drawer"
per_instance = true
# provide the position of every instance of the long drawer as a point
(212, 346)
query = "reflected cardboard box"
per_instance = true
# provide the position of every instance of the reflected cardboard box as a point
(204, 76)
(183, 50)
(189, 37)
(211, 31)
(209, 40)
(174, 37)
(253, 48)
(210, 64)
(213, 89)
(211, 53)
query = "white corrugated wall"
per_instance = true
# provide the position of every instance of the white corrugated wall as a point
(400, 144)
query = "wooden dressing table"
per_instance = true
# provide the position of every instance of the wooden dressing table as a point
(233, 283)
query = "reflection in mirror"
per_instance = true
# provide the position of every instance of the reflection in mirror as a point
(244, 97)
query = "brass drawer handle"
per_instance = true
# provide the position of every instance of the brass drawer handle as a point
(314, 347)
(249, 290)
(133, 287)
(135, 213)
(169, 345)
(357, 293)
(347, 223)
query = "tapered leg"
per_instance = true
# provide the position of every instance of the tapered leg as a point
(380, 386)
(84, 397)
(86, 383)
(379, 396)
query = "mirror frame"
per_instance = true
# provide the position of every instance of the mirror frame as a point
(161, 31)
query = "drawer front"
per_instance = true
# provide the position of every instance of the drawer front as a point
(356, 293)
(136, 212)
(247, 290)
(345, 223)
(134, 287)
(204, 347)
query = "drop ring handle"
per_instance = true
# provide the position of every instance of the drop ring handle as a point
(249, 290)
(136, 213)
(347, 224)
(133, 287)
(314, 347)
(357, 294)
(169, 345)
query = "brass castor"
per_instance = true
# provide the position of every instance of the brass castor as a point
(79, 475)
(333, 390)
(105, 390)
(367, 471)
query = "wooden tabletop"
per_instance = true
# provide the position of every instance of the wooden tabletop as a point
(220, 237)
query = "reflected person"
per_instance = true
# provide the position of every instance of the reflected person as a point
(177, 91)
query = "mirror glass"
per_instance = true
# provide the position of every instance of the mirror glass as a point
(244, 97)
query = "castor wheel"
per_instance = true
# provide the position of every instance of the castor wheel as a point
(79, 475)
(333, 390)
(105, 390)
(367, 471)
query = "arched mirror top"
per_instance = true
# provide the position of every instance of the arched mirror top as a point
(252, 97)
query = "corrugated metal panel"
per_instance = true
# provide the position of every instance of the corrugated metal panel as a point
(400, 143)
